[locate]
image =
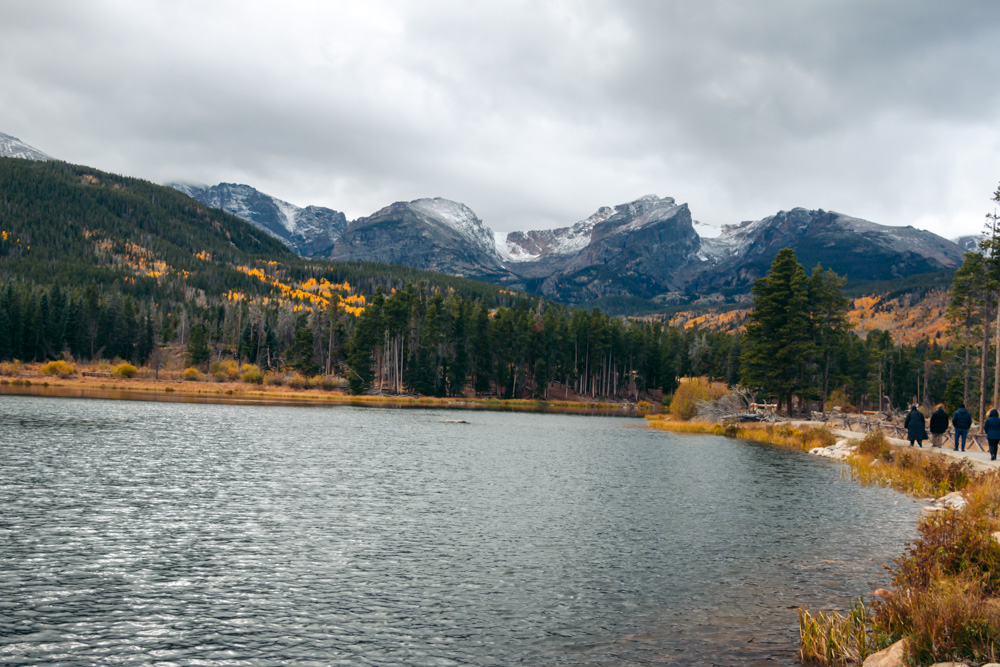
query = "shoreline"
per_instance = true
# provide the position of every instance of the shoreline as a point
(240, 393)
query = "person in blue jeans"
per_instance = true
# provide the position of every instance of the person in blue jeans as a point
(992, 428)
(962, 421)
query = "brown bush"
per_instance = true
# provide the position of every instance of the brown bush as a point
(10, 368)
(876, 446)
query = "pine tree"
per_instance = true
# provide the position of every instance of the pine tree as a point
(197, 348)
(777, 338)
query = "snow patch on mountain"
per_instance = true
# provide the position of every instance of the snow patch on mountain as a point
(510, 251)
(14, 147)
(459, 217)
(644, 211)
(289, 211)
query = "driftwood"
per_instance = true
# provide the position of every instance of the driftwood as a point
(739, 405)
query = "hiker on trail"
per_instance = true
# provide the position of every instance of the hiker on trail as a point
(939, 425)
(992, 428)
(962, 421)
(914, 425)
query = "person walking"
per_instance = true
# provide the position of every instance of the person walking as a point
(939, 426)
(915, 427)
(962, 421)
(992, 428)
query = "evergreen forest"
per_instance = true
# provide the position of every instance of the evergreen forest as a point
(99, 266)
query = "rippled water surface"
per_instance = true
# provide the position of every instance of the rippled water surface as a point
(231, 535)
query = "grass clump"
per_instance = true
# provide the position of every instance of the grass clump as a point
(272, 379)
(835, 639)
(124, 370)
(10, 368)
(917, 473)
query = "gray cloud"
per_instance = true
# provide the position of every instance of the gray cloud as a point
(532, 113)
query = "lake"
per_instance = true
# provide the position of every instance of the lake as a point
(181, 534)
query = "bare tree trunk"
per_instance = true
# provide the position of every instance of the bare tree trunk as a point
(996, 367)
(982, 365)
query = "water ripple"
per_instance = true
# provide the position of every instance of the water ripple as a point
(189, 534)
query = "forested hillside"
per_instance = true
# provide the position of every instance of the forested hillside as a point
(98, 266)
(94, 265)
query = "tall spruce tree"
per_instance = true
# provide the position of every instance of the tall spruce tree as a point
(777, 339)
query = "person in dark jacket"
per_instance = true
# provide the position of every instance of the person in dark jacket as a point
(962, 421)
(992, 428)
(939, 425)
(915, 427)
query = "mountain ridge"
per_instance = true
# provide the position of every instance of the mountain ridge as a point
(648, 248)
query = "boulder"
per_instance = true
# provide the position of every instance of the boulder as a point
(953, 501)
(894, 656)
(950, 664)
(839, 451)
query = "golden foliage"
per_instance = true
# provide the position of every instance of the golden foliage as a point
(59, 367)
(10, 368)
(124, 370)
(691, 392)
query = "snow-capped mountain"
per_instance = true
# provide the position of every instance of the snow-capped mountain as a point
(432, 234)
(14, 147)
(533, 245)
(857, 248)
(309, 231)
(968, 243)
(643, 248)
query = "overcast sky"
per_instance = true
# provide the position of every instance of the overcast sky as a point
(532, 113)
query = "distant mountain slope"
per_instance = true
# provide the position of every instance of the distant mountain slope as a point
(858, 249)
(14, 147)
(75, 226)
(429, 234)
(309, 231)
(65, 220)
(641, 248)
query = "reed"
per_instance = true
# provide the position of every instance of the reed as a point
(834, 639)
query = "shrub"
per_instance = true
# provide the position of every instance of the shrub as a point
(58, 367)
(876, 446)
(10, 368)
(274, 379)
(124, 370)
(225, 370)
(693, 391)
(955, 620)
(252, 374)
(333, 383)
(191, 374)
(296, 381)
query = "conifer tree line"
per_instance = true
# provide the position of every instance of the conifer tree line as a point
(98, 266)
